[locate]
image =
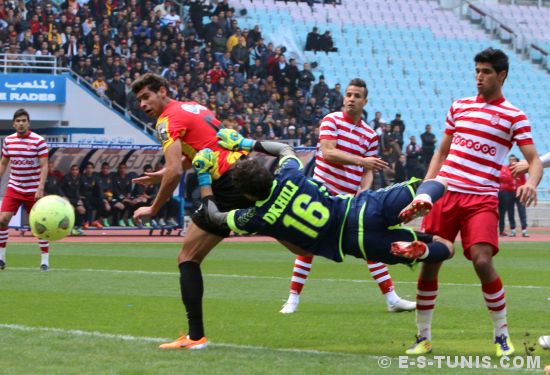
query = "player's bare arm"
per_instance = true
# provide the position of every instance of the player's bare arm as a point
(439, 157)
(43, 175)
(154, 178)
(522, 166)
(366, 180)
(527, 193)
(4, 165)
(333, 155)
(169, 182)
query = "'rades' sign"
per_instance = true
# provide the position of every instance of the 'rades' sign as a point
(32, 88)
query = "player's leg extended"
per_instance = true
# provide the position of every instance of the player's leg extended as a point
(300, 273)
(44, 245)
(5, 218)
(426, 295)
(196, 246)
(494, 295)
(425, 248)
(426, 195)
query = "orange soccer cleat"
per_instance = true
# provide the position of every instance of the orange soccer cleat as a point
(184, 342)
(409, 250)
(420, 206)
(97, 224)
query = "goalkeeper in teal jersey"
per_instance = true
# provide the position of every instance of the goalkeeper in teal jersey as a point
(298, 210)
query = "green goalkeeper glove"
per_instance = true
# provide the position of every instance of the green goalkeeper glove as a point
(203, 163)
(231, 140)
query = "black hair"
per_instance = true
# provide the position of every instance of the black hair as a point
(21, 112)
(251, 177)
(151, 81)
(498, 59)
(358, 82)
(90, 163)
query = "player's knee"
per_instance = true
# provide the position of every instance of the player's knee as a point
(482, 263)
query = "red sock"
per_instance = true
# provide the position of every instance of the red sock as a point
(302, 266)
(493, 293)
(381, 275)
(44, 246)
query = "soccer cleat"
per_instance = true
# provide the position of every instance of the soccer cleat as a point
(524, 233)
(544, 342)
(504, 346)
(420, 346)
(75, 232)
(85, 225)
(409, 250)
(43, 267)
(162, 223)
(401, 305)
(291, 304)
(2, 265)
(106, 223)
(131, 223)
(512, 233)
(121, 223)
(420, 206)
(97, 224)
(184, 342)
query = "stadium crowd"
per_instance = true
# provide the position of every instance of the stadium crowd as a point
(248, 83)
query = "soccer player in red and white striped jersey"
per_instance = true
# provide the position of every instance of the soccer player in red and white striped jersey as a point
(479, 133)
(346, 158)
(26, 153)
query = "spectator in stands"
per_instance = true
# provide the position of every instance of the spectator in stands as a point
(280, 73)
(320, 90)
(326, 43)
(313, 40)
(117, 92)
(99, 84)
(377, 121)
(397, 121)
(428, 145)
(400, 169)
(92, 196)
(414, 157)
(291, 76)
(335, 99)
(70, 188)
(239, 54)
(305, 78)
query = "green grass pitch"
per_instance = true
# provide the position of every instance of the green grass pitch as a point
(104, 308)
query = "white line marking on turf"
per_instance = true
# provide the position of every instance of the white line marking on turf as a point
(233, 276)
(102, 335)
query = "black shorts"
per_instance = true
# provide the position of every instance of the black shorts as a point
(227, 198)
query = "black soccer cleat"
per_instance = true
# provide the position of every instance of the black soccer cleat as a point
(43, 267)
(2, 265)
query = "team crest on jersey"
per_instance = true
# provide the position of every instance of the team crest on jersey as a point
(495, 119)
(193, 108)
(162, 130)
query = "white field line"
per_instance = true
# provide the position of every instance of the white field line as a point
(157, 273)
(110, 336)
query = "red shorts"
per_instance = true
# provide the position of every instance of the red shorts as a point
(14, 199)
(475, 216)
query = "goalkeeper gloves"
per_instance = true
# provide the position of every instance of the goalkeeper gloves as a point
(231, 140)
(204, 162)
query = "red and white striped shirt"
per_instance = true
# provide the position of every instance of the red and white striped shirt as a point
(483, 133)
(359, 140)
(24, 154)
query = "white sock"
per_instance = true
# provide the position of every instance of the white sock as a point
(391, 297)
(45, 259)
(424, 323)
(423, 197)
(293, 298)
(426, 253)
(500, 323)
(3, 254)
